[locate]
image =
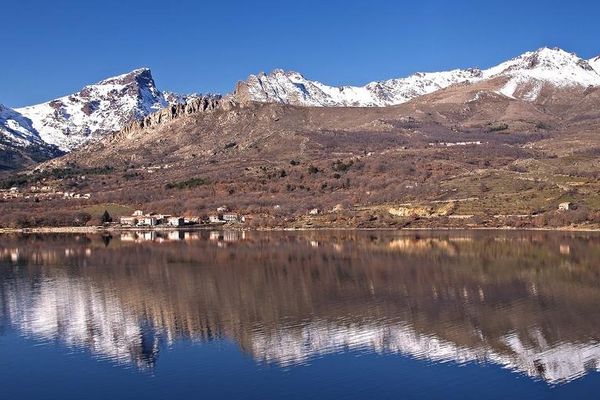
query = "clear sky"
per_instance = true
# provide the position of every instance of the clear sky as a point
(52, 48)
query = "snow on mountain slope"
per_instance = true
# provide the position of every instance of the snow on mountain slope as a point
(529, 72)
(526, 75)
(17, 129)
(20, 144)
(106, 106)
(293, 88)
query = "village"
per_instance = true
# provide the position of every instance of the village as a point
(139, 219)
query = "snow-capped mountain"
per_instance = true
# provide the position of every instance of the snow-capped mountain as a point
(525, 77)
(114, 103)
(293, 88)
(529, 73)
(20, 144)
(106, 106)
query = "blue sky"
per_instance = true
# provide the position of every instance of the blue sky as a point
(52, 48)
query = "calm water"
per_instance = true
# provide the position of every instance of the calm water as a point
(343, 315)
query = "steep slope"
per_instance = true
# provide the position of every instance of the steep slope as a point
(106, 106)
(525, 77)
(20, 144)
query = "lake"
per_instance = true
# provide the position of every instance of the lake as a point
(300, 315)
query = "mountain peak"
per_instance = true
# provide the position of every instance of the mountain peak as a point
(544, 58)
(99, 108)
(137, 75)
(530, 72)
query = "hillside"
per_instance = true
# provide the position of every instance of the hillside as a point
(464, 155)
(504, 148)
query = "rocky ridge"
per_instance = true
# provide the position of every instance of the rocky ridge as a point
(173, 111)
(524, 77)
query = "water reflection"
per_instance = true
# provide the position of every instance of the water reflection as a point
(525, 301)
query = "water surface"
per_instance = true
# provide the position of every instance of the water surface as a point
(344, 315)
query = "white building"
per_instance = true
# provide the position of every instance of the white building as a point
(175, 221)
(566, 206)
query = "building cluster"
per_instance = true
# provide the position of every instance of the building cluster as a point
(138, 218)
(141, 219)
(224, 215)
(38, 193)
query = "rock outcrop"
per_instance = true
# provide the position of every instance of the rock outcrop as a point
(196, 105)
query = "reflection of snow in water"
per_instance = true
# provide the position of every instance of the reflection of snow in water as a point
(298, 345)
(76, 313)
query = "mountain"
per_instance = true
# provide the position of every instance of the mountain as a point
(106, 106)
(522, 77)
(484, 150)
(530, 73)
(114, 103)
(20, 144)
(293, 88)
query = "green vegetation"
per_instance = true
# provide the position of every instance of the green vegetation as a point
(111, 208)
(188, 184)
(498, 127)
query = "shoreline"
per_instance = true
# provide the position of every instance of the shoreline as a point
(113, 229)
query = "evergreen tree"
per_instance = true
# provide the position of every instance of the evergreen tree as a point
(106, 218)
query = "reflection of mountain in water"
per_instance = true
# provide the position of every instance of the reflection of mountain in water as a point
(75, 312)
(519, 301)
(562, 363)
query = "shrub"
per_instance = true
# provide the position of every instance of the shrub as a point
(498, 127)
(313, 170)
(105, 218)
(188, 184)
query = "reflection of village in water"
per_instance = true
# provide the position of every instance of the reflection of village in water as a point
(228, 236)
(288, 298)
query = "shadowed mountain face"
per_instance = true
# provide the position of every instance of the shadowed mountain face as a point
(524, 301)
(20, 143)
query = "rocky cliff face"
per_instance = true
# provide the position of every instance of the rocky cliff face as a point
(173, 111)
